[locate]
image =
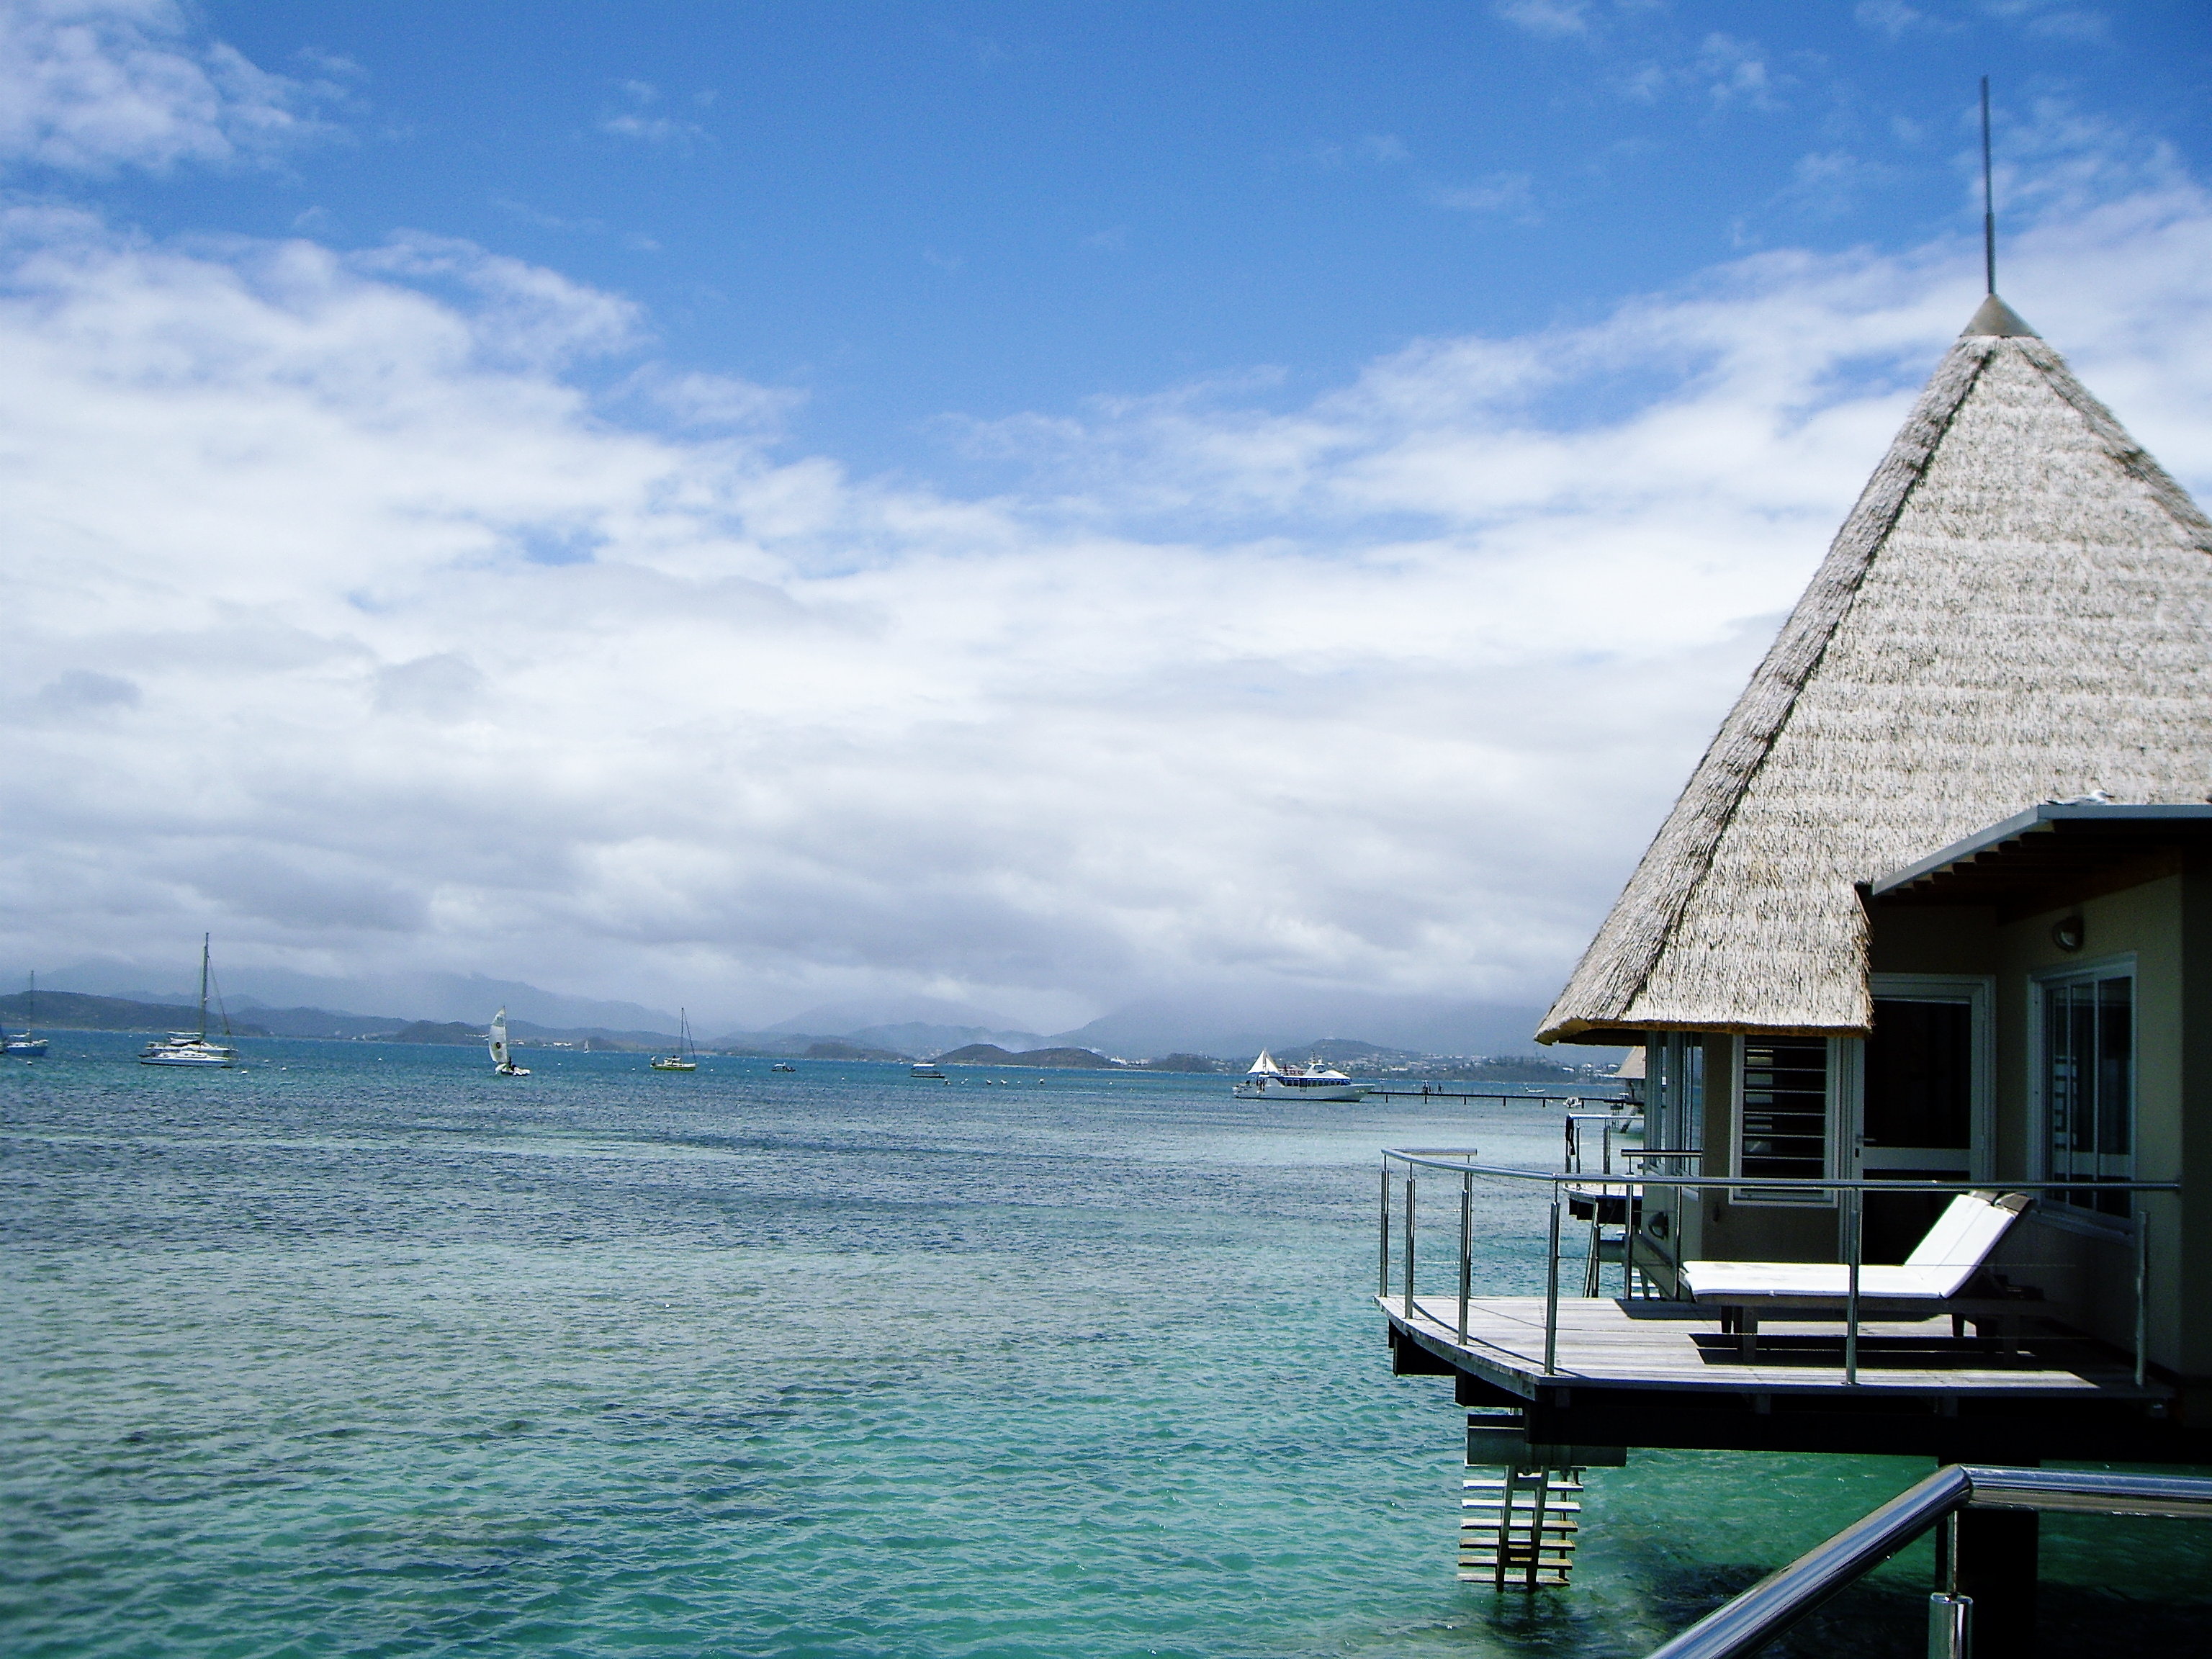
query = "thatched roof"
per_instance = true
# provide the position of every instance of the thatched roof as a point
(2019, 608)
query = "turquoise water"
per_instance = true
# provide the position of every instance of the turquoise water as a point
(362, 1351)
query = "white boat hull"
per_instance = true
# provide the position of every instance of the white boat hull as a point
(204, 1058)
(1294, 1088)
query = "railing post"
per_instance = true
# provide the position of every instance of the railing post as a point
(2142, 1294)
(1852, 1216)
(1466, 1247)
(1384, 1288)
(1409, 1240)
(1950, 1615)
(1631, 1201)
(1552, 1292)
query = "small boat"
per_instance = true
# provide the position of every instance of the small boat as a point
(686, 1057)
(783, 1065)
(192, 1047)
(1270, 1079)
(925, 1070)
(502, 1057)
(27, 1044)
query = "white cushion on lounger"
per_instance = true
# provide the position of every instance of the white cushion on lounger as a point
(1939, 1266)
(1735, 1279)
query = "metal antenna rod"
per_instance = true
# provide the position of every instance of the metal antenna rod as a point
(1988, 199)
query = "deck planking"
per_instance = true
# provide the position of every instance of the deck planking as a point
(1663, 1345)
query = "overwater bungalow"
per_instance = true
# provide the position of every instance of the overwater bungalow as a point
(1921, 962)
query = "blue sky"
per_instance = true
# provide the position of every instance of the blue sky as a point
(1041, 508)
(908, 211)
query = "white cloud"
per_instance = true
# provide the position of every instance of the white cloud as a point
(1735, 71)
(1890, 17)
(344, 620)
(634, 119)
(1498, 193)
(90, 86)
(1553, 19)
(2051, 19)
(1384, 690)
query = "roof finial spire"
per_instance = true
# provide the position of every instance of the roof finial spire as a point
(1995, 317)
(1989, 200)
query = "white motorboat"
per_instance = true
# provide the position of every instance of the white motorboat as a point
(192, 1047)
(26, 1044)
(502, 1057)
(686, 1057)
(1270, 1079)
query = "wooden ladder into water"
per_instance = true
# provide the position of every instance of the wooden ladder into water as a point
(1517, 1529)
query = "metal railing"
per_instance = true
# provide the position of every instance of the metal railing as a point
(1407, 1163)
(1779, 1599)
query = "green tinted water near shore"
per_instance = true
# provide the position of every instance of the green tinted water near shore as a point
(362, 1351)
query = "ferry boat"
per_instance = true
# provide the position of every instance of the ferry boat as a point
(925, 1070)
(1270, 1078)
(192, 1047)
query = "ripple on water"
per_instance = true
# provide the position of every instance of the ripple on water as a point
(377, 1355)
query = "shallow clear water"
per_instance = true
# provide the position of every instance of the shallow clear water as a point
(364, 1351)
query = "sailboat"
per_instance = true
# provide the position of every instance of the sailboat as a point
(502, 1058)
(192, 1047)
(27, 1043)
(686, 1057)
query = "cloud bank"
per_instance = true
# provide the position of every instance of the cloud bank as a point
(351, 622)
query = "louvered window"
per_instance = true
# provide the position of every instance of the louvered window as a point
(1781, 1120)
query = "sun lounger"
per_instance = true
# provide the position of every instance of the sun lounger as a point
(1935, 1278)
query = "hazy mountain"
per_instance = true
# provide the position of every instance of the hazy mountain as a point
(1213, 1026)
(466, 997)
(875, 1011)
(915, 1036)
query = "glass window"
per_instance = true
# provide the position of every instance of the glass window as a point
(2089, 1085)
(1919, 1074)
(1676, 1097)
(1784, 1117)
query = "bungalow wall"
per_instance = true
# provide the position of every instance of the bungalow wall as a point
(2162, 928)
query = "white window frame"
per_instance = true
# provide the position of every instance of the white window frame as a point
(1843, 1074)
(2052, 1209)
(1980, 998)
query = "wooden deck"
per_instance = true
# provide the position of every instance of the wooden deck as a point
(1668, 1345)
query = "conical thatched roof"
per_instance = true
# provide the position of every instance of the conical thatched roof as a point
(2019, 608)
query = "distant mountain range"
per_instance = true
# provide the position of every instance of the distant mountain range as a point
(73, 1011)
(458, 997)
(1397, 1030)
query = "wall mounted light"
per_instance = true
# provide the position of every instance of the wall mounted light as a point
(2067, 934)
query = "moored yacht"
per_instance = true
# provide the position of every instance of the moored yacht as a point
(192, 1047)
(1270, 1078)
(686, 1057)
(26, 1044)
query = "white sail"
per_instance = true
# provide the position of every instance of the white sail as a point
(500, 1057)
(1265, 1066)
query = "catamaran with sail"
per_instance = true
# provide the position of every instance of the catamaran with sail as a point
(502, 1057)
(1270, 1079)
(192, 1047)
(27, 1044)
(686, 1057)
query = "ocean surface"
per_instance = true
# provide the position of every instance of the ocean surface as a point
(360, 1349)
